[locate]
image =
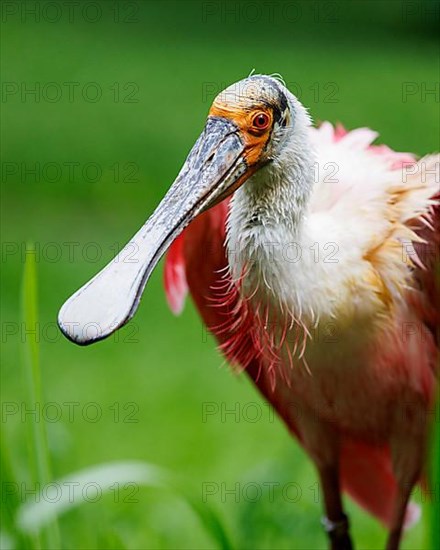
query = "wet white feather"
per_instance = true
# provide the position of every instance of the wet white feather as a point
(304, 224)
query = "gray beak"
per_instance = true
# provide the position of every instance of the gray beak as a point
(111, 298)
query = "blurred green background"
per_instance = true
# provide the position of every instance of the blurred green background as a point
(121, 92)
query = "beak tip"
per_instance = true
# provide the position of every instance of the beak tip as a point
(74, 336)
(76, 324)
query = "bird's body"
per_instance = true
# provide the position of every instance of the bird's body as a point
(325, 312)
(319, 278)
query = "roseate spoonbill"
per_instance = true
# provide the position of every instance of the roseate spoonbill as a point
(319, 278)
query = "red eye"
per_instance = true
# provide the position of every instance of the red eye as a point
(261, 121)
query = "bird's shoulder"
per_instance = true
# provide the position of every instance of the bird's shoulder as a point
(385, 207)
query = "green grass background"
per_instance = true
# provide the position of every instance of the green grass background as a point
(175, 53)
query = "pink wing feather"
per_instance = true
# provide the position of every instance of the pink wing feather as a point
(176, 287)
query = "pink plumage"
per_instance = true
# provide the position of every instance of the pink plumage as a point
(198, 261)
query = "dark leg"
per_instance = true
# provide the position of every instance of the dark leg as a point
(395, 533)
(322, 442)
(408, 444)
(335, 522)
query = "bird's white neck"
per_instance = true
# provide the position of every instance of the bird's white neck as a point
(267, 216)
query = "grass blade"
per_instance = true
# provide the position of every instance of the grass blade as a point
(435, 479)
(38, 452)
(10, 501)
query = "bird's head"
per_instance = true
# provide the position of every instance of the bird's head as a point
(246, 129)
(260, 112)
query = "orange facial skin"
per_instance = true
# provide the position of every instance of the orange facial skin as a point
(254, 137)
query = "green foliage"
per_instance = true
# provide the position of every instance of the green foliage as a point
(434, 505)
